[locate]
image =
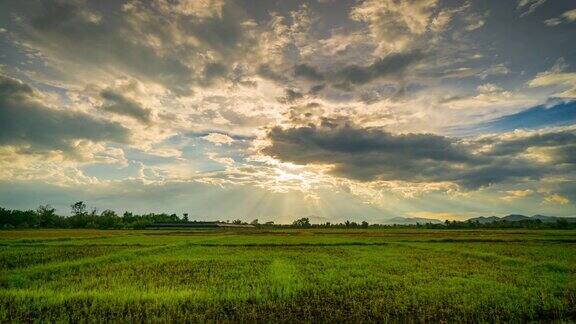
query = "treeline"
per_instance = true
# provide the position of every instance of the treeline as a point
(502, 224)
(46, 217)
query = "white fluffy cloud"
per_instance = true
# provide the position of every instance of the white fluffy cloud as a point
(218, 139)
(557, 77)
(394, 24)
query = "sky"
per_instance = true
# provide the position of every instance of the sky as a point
(276, 110)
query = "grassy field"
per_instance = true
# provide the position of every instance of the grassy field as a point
(288, 275)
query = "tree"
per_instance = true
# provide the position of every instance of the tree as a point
(364, 224)
(237, 222)
(254, 222)
(185, 218)
(78, 208)
(562, 223)
(80, 217)
(46, 216)
(108, 219)
(302, 222)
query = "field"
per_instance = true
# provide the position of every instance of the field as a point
(288, 275)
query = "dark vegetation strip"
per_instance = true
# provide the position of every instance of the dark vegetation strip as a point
(289, 244)
(570, 241)
(449, 240)
(55, 240)
(84, 245)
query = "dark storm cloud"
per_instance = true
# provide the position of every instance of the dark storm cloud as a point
(121, 105)
(26, 122)
(368, 154)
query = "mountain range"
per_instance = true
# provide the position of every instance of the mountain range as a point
(517, 217)
(481, 219)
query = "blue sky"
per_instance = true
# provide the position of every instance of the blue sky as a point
(225, 109)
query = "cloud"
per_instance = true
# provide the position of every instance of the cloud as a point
(26, 122)
(467, 72)
(68, 32)
(567, 17)
(566, 80)
(205, 9)
(119, 104)
(488, 96)
(497, 69)
(178, 45)
(371, 154)
(552, 22)
(570, 15)
(529, 6)
(364, 154)
(218, 139)
(308, 72)
(394, 24)
(474, 21)
(519, 144)
(556, 199)
(305, 114)
(489, 88)
(285, 40)
(290, 96)
(392, 65)
(557, 77)
(266, 72)
(512, 195)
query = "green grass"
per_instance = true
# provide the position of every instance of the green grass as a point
(288, 275)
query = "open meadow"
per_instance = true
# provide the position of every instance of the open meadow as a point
(288, 275)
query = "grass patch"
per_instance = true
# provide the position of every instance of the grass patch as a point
(288, 276)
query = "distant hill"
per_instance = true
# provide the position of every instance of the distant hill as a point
(517, 217)
(481, 219)
(409, 221)
(484, 220)
(551, 218)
